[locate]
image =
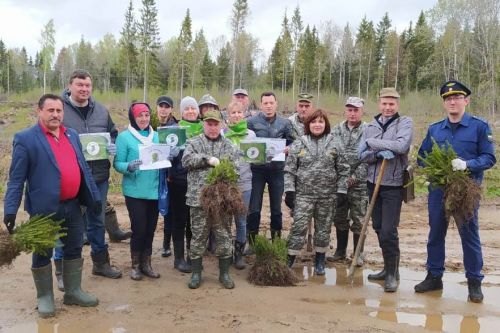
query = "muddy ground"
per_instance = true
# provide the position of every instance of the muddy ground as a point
(318, 304)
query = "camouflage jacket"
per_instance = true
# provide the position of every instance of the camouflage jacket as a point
(314, 168)
(297, 126)
(349, 140)
(195, 159)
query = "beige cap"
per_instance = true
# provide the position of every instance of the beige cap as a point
(388, 92)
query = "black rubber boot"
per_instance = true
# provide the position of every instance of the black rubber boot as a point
(60, 282)
(361, 259)
(430, 283)
(44, 292)
(250, 239)
(73, 293)
(342, 240)
(291, 260)
(135, 273)
(238, 261)
(475, 293)
(179, 261)
(391, 267)
(166, 252)
(102, 267)
(224, 277)
(319, 263)
(146, 268)
(275, 234)
(115, 234)
(196, 266)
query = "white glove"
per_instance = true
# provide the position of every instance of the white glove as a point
(213, 161)
(458, 164)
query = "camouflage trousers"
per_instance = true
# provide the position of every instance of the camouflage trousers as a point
(201, 226)
(321, 209)
(353, 210)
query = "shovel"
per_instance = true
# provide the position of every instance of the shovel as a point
(366, 220)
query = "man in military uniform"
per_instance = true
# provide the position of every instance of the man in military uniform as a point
(303, 109)
(471, 138)
(352, 205)
(203, 152)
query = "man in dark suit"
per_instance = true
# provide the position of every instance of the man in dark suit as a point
(48, 158)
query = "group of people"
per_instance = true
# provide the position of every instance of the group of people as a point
(328, 177)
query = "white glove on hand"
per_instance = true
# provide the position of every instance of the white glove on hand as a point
(213, 161)
(458, 164)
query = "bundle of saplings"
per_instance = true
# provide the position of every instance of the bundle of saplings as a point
(461, 193)
(270, 268)
(220, 197)
(36, 235)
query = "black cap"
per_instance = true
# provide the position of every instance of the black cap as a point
(166, 100)
(453, 87)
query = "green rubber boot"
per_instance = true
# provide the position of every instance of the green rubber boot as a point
(72, 277)
(224, 277)
(196, 268)
(44, 292)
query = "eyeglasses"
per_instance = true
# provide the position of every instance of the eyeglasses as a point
(454, 99)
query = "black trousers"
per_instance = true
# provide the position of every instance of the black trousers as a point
(181, 223)
(385, 217)
(143, 215)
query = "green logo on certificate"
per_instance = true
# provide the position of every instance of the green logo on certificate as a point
(172, 135)
(253, 152)
(95, 145)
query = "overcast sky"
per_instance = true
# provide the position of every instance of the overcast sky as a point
(21, 21)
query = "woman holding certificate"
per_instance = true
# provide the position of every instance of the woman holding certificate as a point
(140, 188)
(237, 131)
(314, 172)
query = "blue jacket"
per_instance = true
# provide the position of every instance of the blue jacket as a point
(34, 162)
(472, 141)
(140, 184)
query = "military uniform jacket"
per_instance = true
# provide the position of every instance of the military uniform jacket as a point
(314, 168)
(349, 140)
(297, 126)
(472, 141)
(195, 159)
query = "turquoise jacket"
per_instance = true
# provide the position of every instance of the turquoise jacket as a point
(138, 184)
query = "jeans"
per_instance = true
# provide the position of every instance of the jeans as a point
(143, 215)
(275, 184)
(385, 218)
(241, 220)
(94, 225)
(72, 243)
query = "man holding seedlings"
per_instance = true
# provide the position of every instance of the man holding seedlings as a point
(48, 158)
(351, 206)
(387, 137)
(471, 138)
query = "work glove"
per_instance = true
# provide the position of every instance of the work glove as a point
(97, 207)
(290, 199)
(385, 154)
(213, 161)
(174, 152)
(134, 165)
(341, 200)
(10, 222)
(111, 148)
(458, 164)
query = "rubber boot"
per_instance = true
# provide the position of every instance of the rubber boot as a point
(135, 273)
(361, 259)
(250, 239)
(179, 263)
(58, 265)
(166, 252)
(73, 293)
(238, 261)
(44, 292)
(342, 240)
(291, 260)
(115, 234)
(196, 266)
(475, 293)
(102, 267)
(224, 277)
(319, 263)
(146, 268)
(430, 283)
(380, 276)
(275, 234)
(390, 282)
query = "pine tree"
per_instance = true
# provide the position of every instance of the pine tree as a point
(149, 42)
(126, 68)
(239, 16)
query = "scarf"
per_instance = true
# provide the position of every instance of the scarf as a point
(145, 140)
(193, 128)
(237, 132)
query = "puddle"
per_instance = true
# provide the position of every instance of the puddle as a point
(406, 307)
(46, 326)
